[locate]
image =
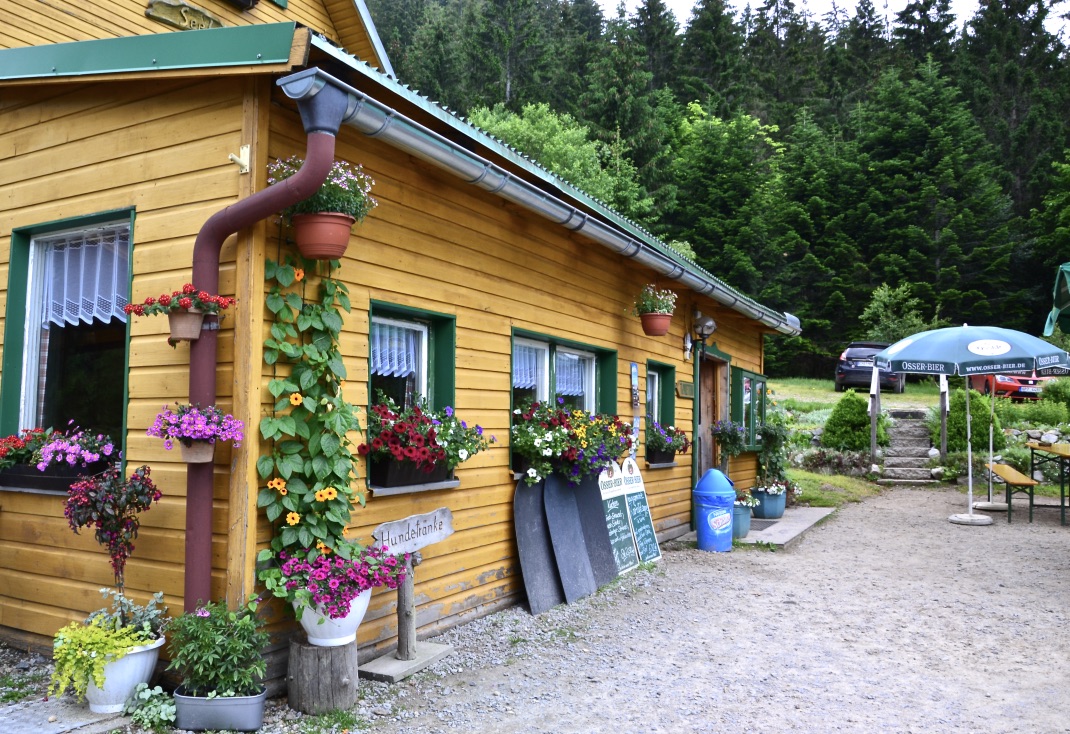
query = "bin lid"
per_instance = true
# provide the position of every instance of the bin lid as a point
(714, 482)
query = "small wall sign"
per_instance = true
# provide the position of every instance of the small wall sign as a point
(416, 531)
(685, 389)
(181, 15)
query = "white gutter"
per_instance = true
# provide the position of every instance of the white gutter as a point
(379, 121)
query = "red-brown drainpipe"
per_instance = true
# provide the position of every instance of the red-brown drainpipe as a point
(322, 115)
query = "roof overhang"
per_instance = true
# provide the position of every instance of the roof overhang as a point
(251, 49)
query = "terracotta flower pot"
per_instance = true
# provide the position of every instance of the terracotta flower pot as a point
(655, 324)
(322, 236)
(185, 325)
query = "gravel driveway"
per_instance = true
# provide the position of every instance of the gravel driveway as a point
(886, 618)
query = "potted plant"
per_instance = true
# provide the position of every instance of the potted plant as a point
(330, 588)
(217, 653)
(546, 437)
(185, 310)
(655, 307)
(19, 455)
(741, 512)
(731, 438)
(417, 445)
(323, 221)
(106, 657)
(112, 505)
(664, 442)
(196, 429)
(772, 499)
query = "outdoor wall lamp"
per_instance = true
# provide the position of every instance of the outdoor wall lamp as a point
(703, 327)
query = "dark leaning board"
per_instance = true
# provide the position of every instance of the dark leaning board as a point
(566, 535)
(643, 527)
(595, 531)
(615, 510)
(537, 564)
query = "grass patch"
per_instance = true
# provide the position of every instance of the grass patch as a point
(15, 688)
(805, 394)
(333, 722)
(831, 490)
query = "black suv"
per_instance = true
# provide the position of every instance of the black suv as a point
(855, 368)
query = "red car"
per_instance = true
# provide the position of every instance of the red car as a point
(1016, 387)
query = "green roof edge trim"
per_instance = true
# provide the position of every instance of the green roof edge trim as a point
(251, 45)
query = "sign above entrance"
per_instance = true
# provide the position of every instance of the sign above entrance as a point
(181, 15)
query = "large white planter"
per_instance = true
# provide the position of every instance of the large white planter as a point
(333, 632)
(122, 676)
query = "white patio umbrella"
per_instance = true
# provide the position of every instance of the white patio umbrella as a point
(970, 350)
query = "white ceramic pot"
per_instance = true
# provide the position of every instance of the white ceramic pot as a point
(122, 676)
(326, 632)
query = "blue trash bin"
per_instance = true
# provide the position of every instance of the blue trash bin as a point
(715, 496)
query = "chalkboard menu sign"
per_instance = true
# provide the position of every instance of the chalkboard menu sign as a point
(631, 529)
(642, 526)
(620, 533)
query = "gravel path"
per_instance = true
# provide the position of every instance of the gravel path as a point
(886, 618)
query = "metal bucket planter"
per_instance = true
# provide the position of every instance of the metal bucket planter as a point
(236, 713)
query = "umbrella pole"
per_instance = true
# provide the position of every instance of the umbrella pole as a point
(991, 505)
(969, 518)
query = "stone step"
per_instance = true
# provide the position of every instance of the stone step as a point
(912, 431)
(906, 473)
(888, 482)
(908, 414)
(906, 462)
(917, 445)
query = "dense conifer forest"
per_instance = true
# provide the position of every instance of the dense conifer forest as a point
(864, 175)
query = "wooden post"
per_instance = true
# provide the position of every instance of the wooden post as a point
(407, 611)
(943, 425)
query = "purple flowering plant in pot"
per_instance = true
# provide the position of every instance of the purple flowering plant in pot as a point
(196, 429)
(77, 447)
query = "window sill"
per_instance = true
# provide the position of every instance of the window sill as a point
(413, 488)
(667, 465)
(32, 490)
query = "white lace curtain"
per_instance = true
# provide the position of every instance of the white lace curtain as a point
(395, 350)
(570, 379)
(527, 363)
(87, 275)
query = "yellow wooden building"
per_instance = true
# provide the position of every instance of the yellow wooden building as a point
(126, 124)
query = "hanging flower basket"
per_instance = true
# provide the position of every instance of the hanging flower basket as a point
(656, 324)
(185, 325)
(322, 236)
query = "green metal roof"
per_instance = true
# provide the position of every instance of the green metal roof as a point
(249, 45)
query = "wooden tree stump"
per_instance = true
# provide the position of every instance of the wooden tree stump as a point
(322, 679)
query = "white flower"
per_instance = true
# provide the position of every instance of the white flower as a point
(463, 454)
(538, 442)
(516, 412)
(532, 473)
(548, 452)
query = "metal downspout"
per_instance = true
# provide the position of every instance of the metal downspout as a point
(322, 113)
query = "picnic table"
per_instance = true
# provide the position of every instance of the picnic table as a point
(1047, 453)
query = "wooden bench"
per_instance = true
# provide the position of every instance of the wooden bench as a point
(1016, 483)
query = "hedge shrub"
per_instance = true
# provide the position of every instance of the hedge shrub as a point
(847, 428)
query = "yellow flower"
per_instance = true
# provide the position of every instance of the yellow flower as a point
(293, 518)
(299, 275)
(278, 483)
(283, 491)
(330, 493)
(321, 496)
(296, 399)
(323, 548)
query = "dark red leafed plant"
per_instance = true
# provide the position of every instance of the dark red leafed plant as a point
(111, 504)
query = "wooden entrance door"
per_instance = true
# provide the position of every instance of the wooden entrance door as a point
(708, 404)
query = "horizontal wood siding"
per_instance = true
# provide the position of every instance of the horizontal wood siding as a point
(67, 151)
(436, 243)
(35, 23)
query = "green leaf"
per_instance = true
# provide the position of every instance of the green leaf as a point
(320, 467)
(287, 425)
(291, 447)
(332, 321)
(269, 427)
(285, 275)
(296, 462)
(273, 511)
(276, 387)
(330, 444)
(308, 379)
(304, 537)
(302, 430)
(294, 301)
(304, 321)
(275, 303)
(337, 367)
(269, 269)
(289, 536)
(265, 465)
(265, 497)
(271, 356)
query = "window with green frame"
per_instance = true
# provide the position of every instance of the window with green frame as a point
(412, 355)
(65, 355)
(660, 393)
(748, 403)
(581, 376)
